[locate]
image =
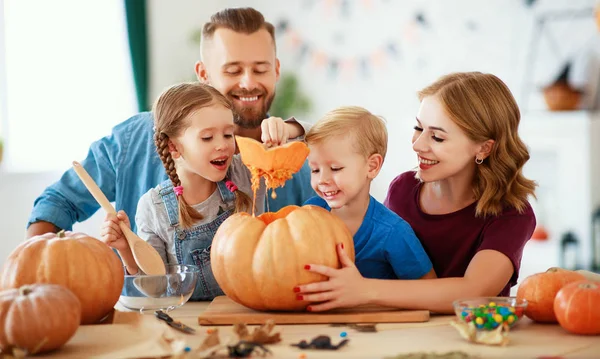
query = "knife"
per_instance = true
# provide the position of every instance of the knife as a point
(174, 323)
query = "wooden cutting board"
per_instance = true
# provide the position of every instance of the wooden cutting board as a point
(224, 311)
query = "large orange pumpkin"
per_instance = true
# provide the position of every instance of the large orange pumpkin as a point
(85, 265)
(540, 290)
(276, 165)
(258, 261)
(37, 318)
(576, 307)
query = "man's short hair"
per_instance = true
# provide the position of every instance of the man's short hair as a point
(243, 20)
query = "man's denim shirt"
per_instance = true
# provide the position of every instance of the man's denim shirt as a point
(125, 165)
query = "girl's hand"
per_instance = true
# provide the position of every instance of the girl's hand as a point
(276, 132)
(111, 233)
(345, 287)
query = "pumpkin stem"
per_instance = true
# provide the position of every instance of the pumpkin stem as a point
(61, 234)
(588, 285)
(554, 269)
(25, 290)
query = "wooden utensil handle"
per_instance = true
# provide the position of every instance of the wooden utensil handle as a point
(91, 185)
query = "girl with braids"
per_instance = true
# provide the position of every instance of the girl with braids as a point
(467, 202)
(207, 183)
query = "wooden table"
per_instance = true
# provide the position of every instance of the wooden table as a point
(527, 339)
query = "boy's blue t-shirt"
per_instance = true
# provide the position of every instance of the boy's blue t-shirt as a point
(385, 245)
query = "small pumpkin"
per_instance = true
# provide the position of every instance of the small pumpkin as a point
(597, 13)
(83, 264)
(276, 164)
(540, 289)
(257, 261)
(540, 233)
(37, 318)
(576, 307)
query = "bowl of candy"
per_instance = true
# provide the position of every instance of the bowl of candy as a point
(165, 292)
(488, 313)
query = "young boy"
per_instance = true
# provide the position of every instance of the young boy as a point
(347, 149)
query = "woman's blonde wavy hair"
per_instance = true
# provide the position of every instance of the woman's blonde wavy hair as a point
(484, 108)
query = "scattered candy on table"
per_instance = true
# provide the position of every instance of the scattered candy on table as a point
(343, 334)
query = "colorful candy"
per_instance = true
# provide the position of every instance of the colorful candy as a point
(492, 315)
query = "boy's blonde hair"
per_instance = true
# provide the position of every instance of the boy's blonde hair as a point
(367, 130)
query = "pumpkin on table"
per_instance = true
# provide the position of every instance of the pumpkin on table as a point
(540, 289)
(576, 307)
(83, 264)
(37, 318)
(257, 261)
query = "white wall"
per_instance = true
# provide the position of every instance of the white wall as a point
(17, 193)
(499, 44)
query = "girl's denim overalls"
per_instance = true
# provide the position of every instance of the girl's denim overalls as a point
(192, 246)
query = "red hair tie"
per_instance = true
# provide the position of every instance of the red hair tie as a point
(231, 186)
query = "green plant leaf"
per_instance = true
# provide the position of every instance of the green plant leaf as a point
(289, 99)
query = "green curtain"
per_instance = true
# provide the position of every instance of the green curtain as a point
(135, 12)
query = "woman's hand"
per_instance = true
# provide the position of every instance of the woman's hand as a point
(345, 287)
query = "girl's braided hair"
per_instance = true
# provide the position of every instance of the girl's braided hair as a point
(170, 113)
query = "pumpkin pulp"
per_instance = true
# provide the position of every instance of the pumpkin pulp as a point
(276, 165)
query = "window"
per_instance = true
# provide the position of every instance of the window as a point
(68, 79)
(2, 81)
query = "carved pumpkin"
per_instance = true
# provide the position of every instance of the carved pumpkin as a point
(540, 290)
(37, 318)
(258, 261)
(276, 164)
(83, 264)
(576, 307)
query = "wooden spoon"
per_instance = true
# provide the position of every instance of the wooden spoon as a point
(146, 257)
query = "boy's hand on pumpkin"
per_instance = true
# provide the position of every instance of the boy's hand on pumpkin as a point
(275, 132)
(111, 233)
(344, 288)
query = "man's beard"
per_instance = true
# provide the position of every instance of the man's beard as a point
(249, 117)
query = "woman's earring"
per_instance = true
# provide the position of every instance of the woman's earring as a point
(478, 160)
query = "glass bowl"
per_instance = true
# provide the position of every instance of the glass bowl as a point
(488, 313)
(164, 292)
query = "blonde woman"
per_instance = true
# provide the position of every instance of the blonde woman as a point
(467, 202)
